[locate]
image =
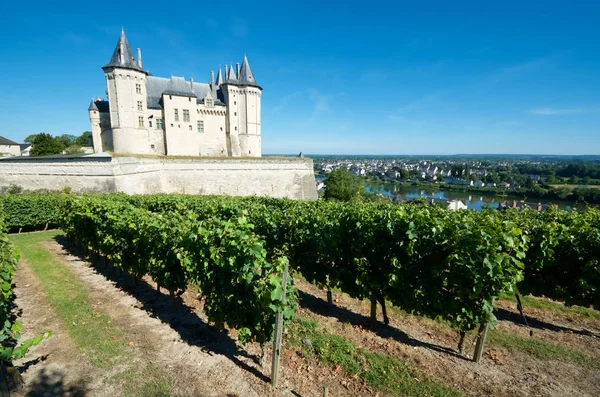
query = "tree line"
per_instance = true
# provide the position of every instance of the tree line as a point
(44, 144)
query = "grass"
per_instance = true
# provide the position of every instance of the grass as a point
(542, 349)
(103, 343)
(149, 382)
(383, 372)
(543, 304)
(91, 329)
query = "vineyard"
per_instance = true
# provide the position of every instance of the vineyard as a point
(450, 266)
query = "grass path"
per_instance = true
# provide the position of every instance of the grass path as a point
(91, 329)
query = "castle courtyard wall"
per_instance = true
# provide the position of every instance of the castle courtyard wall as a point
(274, 177)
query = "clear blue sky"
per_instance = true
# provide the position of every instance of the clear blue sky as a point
(429, 77)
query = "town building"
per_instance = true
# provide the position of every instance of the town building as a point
(9, 148)
(146, 114)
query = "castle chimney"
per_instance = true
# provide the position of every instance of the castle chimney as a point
(140, 57)
(237, 70)
(192, 83)
(212, 77)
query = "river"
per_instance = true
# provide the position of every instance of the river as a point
(471, 200)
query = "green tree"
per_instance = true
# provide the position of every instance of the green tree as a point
(30, 138)
(587, 180)
(44, 145)
(341, 185)
(84, 139)
(74, 149)
(574, 180)
(66, 140)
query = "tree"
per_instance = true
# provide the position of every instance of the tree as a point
(74, 149)
(66, 140)
(529, 184)
(574, 180)
(341, 185)
(30, 138)
(83, 140)
(587, 180)
(44, 145)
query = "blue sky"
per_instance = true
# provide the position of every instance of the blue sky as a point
(429, 77)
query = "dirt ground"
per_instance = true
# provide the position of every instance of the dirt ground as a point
(208, 362)
(432, 347)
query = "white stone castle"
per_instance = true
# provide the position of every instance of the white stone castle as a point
(145, 114)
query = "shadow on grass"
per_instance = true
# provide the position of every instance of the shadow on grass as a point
(321, 307)
(513, 317)
(180, 317)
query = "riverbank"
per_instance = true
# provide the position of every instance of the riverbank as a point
(554, 195)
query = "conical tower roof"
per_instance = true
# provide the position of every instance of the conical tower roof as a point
(246, 77)
(123, 56)
(93, 106)
(231, 75)
(219, 77)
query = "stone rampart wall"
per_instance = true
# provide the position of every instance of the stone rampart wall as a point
(274, 177)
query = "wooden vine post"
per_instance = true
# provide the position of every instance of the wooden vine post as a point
(278, 333)
(481, 336)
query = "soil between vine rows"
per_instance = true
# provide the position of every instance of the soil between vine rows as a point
(181, 342)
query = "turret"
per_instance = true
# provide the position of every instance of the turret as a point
(126, 82)
(243, 98)
(94, 114)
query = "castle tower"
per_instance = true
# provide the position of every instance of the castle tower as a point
(96, 129)
(242, 95)
(126, 82)
(250, 135)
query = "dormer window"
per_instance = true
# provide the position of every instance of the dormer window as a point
(209, 102)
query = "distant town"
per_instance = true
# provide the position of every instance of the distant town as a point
(540, 177)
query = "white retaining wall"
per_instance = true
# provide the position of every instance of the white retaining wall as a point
(274, 177)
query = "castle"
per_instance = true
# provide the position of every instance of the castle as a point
(145, 114)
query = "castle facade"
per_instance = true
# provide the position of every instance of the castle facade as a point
(145, 114)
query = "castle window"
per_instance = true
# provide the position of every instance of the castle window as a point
(236, 128)
(200, 126)
(190, 127)
(159, 124)
(140, 105)
(138, 88)
(150, 123)
(176, 114)
(209, 103)
(186, 115)
(151, 146)
(234, 102)
(235, 113)
(141, 121)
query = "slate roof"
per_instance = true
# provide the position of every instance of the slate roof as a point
(7, 142)
(93, 106)
(219, 77)
(231, 78)
(125, 60)
(246, 77)
(156, 86)
(100, 106)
